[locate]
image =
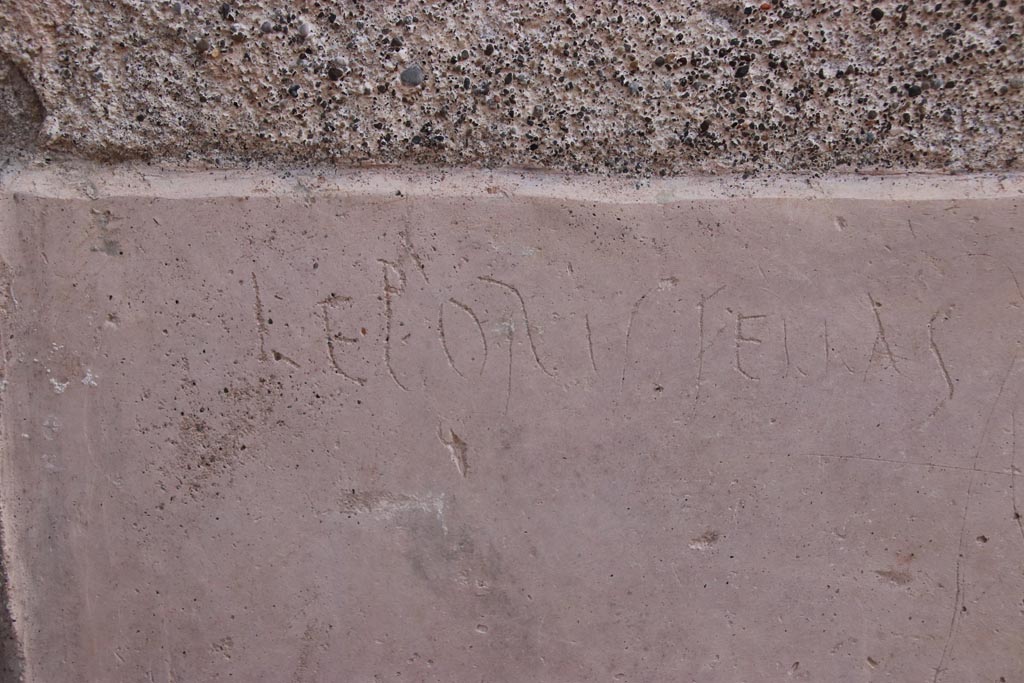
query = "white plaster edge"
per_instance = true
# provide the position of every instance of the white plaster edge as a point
(80, 180)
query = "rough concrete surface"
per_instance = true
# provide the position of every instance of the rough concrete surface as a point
(638, 87)
(508, 428)
(21, 114)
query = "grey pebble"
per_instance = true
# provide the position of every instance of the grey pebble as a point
(337, 69)
(412, 75)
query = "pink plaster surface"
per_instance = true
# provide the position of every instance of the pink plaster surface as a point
(257, 431)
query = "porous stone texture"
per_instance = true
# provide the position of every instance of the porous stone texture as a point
(638, 87)
(21, 114)
(367, 428)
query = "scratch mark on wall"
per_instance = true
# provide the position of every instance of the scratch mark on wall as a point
(907, 463)
(629, 333)
(880, 338)
(260, 324)
(1014, 471)
(942, 363)
(479, 326)
(827, 352)
(278, 356)
(700, 345)
(1013, 275)
(785, 345)
(332, 338)
(457, 450)
(390, 289)
(508, 390)
(741, 338)
(526, 318)
(958, 599)
(406, 237)
(444, 341)
(590, 342)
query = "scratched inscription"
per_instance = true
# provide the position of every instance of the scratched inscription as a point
(763, 345)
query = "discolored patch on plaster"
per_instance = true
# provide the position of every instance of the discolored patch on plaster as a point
(10, 648)
(897, 577)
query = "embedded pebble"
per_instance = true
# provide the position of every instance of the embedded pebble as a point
(412, 75)
(337, 69)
